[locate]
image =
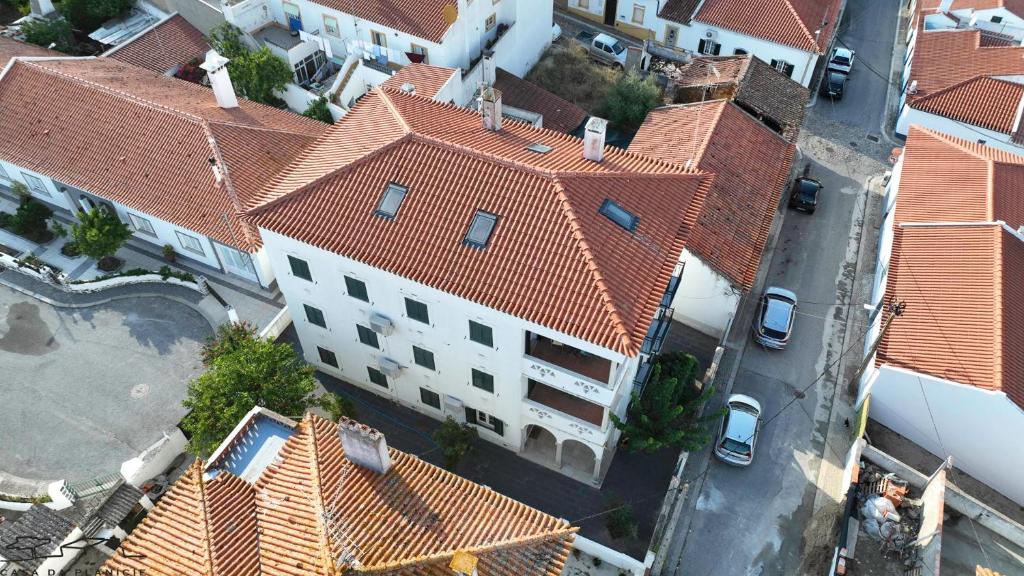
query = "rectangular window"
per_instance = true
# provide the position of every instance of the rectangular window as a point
(480, 229)
(432, 399)
(35, 184)
(391, 201)
(331, 26)
(616, 213)
(141, 224)
(423, 357)
(487, 421)
(490, 22)
(190, 243)
(300, 268)
(709, 47)
(356, 289)
(783, 66)
(585, 4)
(377, 377)
(416, 49)
(367, 336)
(417, 311)
(997, 19)
(327, 357)
(481, 334)
(483, 380)
(315, 316)
(638, 13)
(379, 38)
(671, 35)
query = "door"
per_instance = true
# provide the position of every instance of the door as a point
(610, 8)
(236, 262)
(291, 12)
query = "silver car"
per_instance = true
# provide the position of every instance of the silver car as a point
(738, 437)
(773, 322)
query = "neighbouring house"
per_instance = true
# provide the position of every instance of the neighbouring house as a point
(790, 35)
(9, 48)
(511, 277)
(777, 101)
(318, 498)
(343, 48)
(1000, 19)
(203, 14)
(164, 47)
(949, 371)
(555, 112)
(178, 162)
(965, 82)
(751, 164)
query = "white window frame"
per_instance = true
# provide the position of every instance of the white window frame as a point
(141, 224)
(583, 4)
(35, 184)
(707, 42)
(491, 22)
(484, 419)
(327, 27)
(643, 14)
(184, 244)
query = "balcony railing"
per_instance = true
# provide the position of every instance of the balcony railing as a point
(567, 381)
(552, 418)
(657, 332)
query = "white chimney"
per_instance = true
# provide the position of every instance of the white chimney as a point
(409, 88)
(216, 67)
(490, 108)
(364, 446)
(41, 7)
(945, 5)
(593, 139)
(490, 70)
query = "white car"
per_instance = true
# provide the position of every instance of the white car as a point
(841, 60)
(736, 441)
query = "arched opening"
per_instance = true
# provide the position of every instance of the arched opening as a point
(578, 457)
(540, 445)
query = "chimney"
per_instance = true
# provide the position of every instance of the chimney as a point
(593, 139)
(490, 71)
(41, 7)
(490, 107)
(364, 446)
(216, 67)
(409, 88)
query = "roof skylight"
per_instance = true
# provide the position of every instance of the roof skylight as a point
(616, 213)
(480, 229)
(391, 201)
(539, 148)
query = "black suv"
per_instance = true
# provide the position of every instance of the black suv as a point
(804, 194)
(834, 85)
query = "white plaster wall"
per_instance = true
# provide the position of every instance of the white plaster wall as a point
(910, 116)
(166, 234)
(705, 300)
(624, 14)
(803, 62)
(16, 174)
(979, 428)
(1011, 24)
(154, 459)
(62, 558)
(447, 337)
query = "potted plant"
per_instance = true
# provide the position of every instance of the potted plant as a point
(169, 254)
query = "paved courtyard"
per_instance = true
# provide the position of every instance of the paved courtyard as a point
(85, 389)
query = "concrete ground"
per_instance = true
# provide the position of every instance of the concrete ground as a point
(775, 517)
(86, 389)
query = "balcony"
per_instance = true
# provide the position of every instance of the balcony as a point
(569, 358)
(565, 403)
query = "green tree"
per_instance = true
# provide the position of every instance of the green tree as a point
(666, 414)
(629, 100)
(318, 110)
(337, 406)
(455, 441)
(88, 15)
(30, 220)
(257, 372)
(99, 233)
(45, 32)
(256, 75)
(226, 39)
(228, 338)
(620, 521)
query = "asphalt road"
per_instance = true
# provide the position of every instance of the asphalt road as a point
(759, 520)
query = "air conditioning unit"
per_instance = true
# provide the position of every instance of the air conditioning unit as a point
(381, 324)
(389, 367)
(711, 34)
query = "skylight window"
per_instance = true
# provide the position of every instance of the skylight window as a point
(480, 229)
(391, 201)
(624, 218)
(539, 148)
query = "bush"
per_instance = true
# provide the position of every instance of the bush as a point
(455, 441)
(169, 254)
(620, 523)
(226, 39)
(44, 32)
(70, 249)
(5, 219)
(629, 100)
(59, 230)
(100, 234)
(88, 15)
(30, 221)
(21, 191)
(191, 72)
(228, 338)
(568, 72)
(337, 406)
(255, 74)
(318, 110)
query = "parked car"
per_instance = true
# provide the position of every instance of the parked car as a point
(604, 48)
(773, 323)
(834, 84)
(804, 194)
(738, 436)
(556, 32)
(841, 60)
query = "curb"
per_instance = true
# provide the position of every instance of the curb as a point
(897, 56)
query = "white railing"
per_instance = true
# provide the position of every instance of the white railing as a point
(551, 418)
(567, 381)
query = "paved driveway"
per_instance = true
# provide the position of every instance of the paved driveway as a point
(84, 390)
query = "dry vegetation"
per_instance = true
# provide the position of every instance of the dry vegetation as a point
(568, 72)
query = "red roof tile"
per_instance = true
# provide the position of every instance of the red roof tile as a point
(936, 49)
(9, 48)
(751, 165)
(679, 10)
(145, 140)
(793, 23)
(313, 512)
(166, 46)
(980, 101)
(558, 114)
(427, 79)
(597, 281)
(421, 18)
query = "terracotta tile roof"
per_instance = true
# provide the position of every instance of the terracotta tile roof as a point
(145, 140)
(936, 49)
(9, 48)
(427, 79)
(28, 540)
(932, 5)
(421, 18)
(313, 512)
(787, 22)
(166, 46)
(980, 101)
(751, 165)
(597, 282)
(679, 10)
(559, 114)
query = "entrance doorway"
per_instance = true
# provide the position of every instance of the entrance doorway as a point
(611, 7)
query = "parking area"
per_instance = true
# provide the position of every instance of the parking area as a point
(85, 389)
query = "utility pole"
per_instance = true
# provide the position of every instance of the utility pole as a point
(896, 309)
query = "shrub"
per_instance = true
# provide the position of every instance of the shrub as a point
(620, 523)
(318, 110)
(169, 254)
(21, 191)
(59, 230)
(226, 39)
(455, 441)
(30, 221)
(629, 100)
(70, 249)
(191, 72)
(568, 72)
(45, 32)
(5, 219)
(337, 406)
(100, 234)
(87, 15)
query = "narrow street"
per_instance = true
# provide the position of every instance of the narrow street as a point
(770, 518)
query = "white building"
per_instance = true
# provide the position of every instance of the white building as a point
(786, 34)
(176, 161)
(512, 277)
(342, 48)
(948, 371)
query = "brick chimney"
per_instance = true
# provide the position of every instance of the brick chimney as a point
(490, 108)
(593, 139)
(364, 446)
(216, 67)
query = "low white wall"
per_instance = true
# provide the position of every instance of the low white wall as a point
(278, 325)
(155, 459)
(979, 428)
(705, 299)
(617, 559)
(909, 116)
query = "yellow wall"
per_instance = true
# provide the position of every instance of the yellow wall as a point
(635, 31)
(599, 18)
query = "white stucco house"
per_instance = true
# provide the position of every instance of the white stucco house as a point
(979, 98)
(790, 35)
(511, 277)
(177, 162)
(948, 371)
(343, 48)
